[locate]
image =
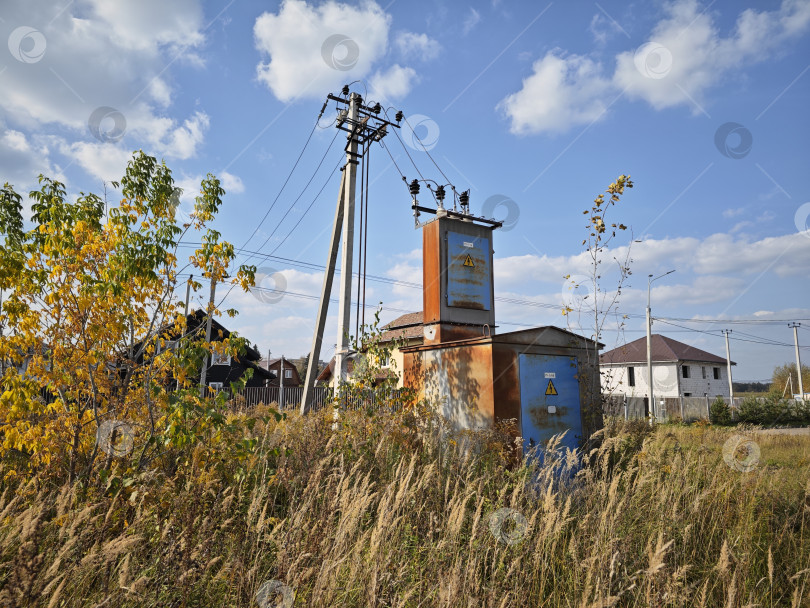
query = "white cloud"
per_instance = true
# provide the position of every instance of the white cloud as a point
(739, 226)
(394, 83)
(231, 183)
(420, 46)
(105, 162)
(713, 256)
(470, 21)
(183, 141)
(683, 57)
(702, 290)
(102, 54)
(562, 91)
(148, 23)
(190, 185)
(602, 28)
(700, 56)
(315, 49)
(22, 159)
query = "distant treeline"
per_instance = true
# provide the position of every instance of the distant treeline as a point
(751, 387)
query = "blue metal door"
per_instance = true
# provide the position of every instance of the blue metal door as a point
(549, 400)
(469, 274)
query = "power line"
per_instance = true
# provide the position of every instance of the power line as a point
(292, 205)
(425, 149)
(387, 280)
(764, 341)
(284, 185)
(303, 215)
(736, 321)
(317, 196)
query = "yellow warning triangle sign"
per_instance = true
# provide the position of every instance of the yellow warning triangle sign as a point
(550, 390)
(469, 261)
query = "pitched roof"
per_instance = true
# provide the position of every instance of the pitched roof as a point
(406, 320)
(662, 349)
(405, 327)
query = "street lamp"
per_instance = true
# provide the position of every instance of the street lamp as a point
(650, 279)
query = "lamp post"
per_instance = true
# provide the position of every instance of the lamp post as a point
(650, 279)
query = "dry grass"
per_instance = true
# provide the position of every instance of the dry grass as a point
(396, 511)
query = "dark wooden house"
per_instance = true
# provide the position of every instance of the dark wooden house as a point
(224, 370)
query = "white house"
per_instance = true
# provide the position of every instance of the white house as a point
(679, 370)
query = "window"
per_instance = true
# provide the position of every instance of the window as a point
(703, 371)
(220, 359)
(631, 376)
(716, 373)
(167, 345)
(385, 361)
(685, 371)
(687, 394)
(288, 373)
(215, 386)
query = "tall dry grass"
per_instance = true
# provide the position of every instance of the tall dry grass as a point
(396, 510)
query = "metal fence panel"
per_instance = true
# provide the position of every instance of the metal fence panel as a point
(695, 408)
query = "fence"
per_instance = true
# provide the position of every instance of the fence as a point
(289, 398)
(688, 409)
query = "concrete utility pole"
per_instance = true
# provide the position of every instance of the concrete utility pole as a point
(726, 332)
(346, 260)
(323, 306)
(204, 372)
(653, 409)
(360, 131)
(795, 327)
(281, 383)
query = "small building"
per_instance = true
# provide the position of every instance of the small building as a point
(678, 370)
(544, 380)
(222, 370)
(406, 330)
(282, 367)
(326, 375)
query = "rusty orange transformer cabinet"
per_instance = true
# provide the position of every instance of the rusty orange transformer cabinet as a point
(545, 378)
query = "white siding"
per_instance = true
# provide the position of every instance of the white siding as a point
(697, 385)
(667, 378)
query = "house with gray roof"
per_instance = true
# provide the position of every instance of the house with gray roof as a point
(679, 370)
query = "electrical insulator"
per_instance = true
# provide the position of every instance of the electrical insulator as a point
(464, 198)
(399, 116)
(414, 187)
(440, 194)
(377, 108)
(345, 90)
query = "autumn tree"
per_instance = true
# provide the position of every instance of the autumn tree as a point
(88, 306)
(590, 313)
(785, 375)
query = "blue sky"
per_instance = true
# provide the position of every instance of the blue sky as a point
(541, 104)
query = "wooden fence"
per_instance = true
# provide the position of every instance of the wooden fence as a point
(289, 398)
